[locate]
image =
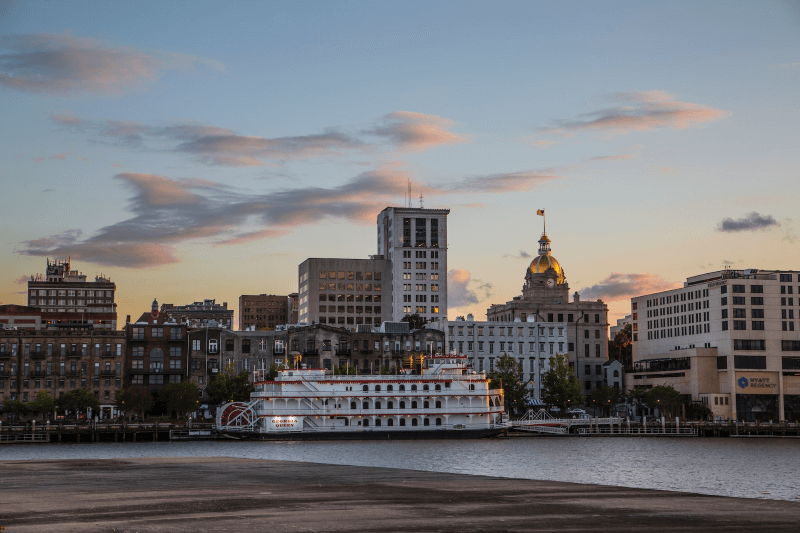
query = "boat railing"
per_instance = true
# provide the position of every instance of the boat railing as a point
(478, 411)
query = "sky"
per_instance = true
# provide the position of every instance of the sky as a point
(193, 150)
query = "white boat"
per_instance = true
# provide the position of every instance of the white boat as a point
(440, 398)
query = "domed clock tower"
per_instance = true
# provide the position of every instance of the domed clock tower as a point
(545, 280)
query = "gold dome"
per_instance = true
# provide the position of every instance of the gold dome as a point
(540, 264)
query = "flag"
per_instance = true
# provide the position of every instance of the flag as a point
(540, 212)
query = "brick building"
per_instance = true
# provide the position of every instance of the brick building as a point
(262, 311)
(200, 314)
(59, 361)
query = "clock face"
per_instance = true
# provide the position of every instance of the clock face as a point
(551, 282)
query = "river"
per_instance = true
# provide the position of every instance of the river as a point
(744, 467)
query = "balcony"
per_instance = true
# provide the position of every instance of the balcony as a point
(310, 351)
(105, 372)
(344, 352)
(6, 373)
(5, 355)
(138, 338)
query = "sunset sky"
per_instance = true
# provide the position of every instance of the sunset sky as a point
(193, 150)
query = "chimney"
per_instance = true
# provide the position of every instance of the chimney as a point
(128, 319)
(576, 298)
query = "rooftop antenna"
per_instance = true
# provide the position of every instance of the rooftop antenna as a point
(409, 193)
(421, 204)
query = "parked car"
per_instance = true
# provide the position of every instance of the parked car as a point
(576, 411)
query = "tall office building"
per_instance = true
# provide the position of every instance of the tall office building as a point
(69, 301)
(415, 241)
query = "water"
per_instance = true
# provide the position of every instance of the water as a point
(749, 468)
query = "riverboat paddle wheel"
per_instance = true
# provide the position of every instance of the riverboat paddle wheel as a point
(237, 416)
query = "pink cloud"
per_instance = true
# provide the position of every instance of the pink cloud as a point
(416, 131)
(618, 286)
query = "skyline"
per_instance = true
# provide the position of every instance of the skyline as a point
(171, 150)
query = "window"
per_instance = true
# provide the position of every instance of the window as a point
(157, 333)
(740, 324)
(738, 300)
(738, 288)
(137, 334)
(739, 313)
(758, 289)
(758, 325)
(757, 300)
(749, 344)
(790, 346)
(174, 351)
(757, 362)
(213, 346)
(786, 278)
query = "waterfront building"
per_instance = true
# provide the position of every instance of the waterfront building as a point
(415, 241)
(262, 311)
(69, 301)
(613, 374)
(728, 339)
(198, 314)
(156, 350)
(531, 343)
(59, 361)
(545, 298)
(621, 323)
(344, 292)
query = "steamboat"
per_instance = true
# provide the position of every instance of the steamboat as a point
(439, 397)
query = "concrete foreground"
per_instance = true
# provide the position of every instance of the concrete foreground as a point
(222, 494)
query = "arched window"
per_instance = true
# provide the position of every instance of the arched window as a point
(390, 405)
(413, 387)
(377, 405)
(365, 388)
(426, 422)
(366, 423)
(377, 388)
(389, 388)
(377, 421)
(402, 421)
(352, 405)
(438, 404)
(413, 405)
(616, 373)
(377, 364)
(426, 387)
(390, 422)
(402, 405)
(402, 388)
(365, 405)
(426, 404)
(413, 421)
(438, 387)
(438, 421)
(471, 386)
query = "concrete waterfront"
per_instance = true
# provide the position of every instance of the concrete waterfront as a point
(227, 494)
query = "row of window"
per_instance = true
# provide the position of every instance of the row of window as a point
(510, 331)
(509, 347)
(69, 303)
(156, 332)
(72, 293)
(350, 298)
(154, 379)
(349, 275)
(682, 297)
(60, 383)
(47, 369)
(361, 287)
(349, 309)
(551, 317)
(675, 332)
(62, 349)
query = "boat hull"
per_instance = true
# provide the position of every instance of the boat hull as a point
(441, 434)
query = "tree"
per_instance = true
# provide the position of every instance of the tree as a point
(637, 396)
(348, 370)
(15, 409)
(78, 401)
(44, 403)
(560, 387)
(414, 321)
(181, 398)
(137, 400)
(622, 348)
(664, 398)
(508, 376)
(604, 398)
(230, 387)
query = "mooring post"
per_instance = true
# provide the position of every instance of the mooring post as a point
(663, 424)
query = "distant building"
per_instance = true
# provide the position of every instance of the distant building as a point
(415, 241)
(262, 311)
(156, 350)
(60, 361)
(21, 317)
(531, 343)
(69, 301)
(612, 374)
(545, 298)
(728, 339)
(200, 314)
(344, 292)
(621, 323)
(293, 308)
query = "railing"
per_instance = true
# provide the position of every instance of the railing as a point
(25, 437)
(310, 351)
(325, 410)
(689, 432)
(111, 372)
(75, 354)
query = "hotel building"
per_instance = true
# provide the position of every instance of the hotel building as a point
(728, 339)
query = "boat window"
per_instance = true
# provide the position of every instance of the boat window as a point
(352, 405)
(365, 405)
(413, 421)
(377, 388)
(472, 387)
(402, 405)
(438, 421)
(413, 405)
(365, 388)
(366, 423)
(389, 388)
(438, 387)
(402, 388)
(413, 387)
(390, 405)
(378, 422)
(377, 405)
(438, 405)
(426, 422)
(426, 387)
(426, 405)
(390, 422)
(402, 421)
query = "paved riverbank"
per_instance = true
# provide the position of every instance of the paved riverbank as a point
(222, 494)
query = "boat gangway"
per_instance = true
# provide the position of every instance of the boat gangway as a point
(543, 422)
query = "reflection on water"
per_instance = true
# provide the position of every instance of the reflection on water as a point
(750, 468)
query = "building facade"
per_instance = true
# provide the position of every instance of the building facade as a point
(621, 323)
(729, 339)
(199, 314)
(156, 350)
(415, 241)
(68, 300)
(344, 292)
(60, 361)
(545, 298)
(21, 317)
(262, 311)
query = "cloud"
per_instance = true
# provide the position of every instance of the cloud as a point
(542, 144)
(63, 65)
(522, 255)
(22, 280)
(620, 157)
(640, 111)
(619, 286)
(66, 120)
(750, 222)
(458, 295)
(168, 211)
(415, 131)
